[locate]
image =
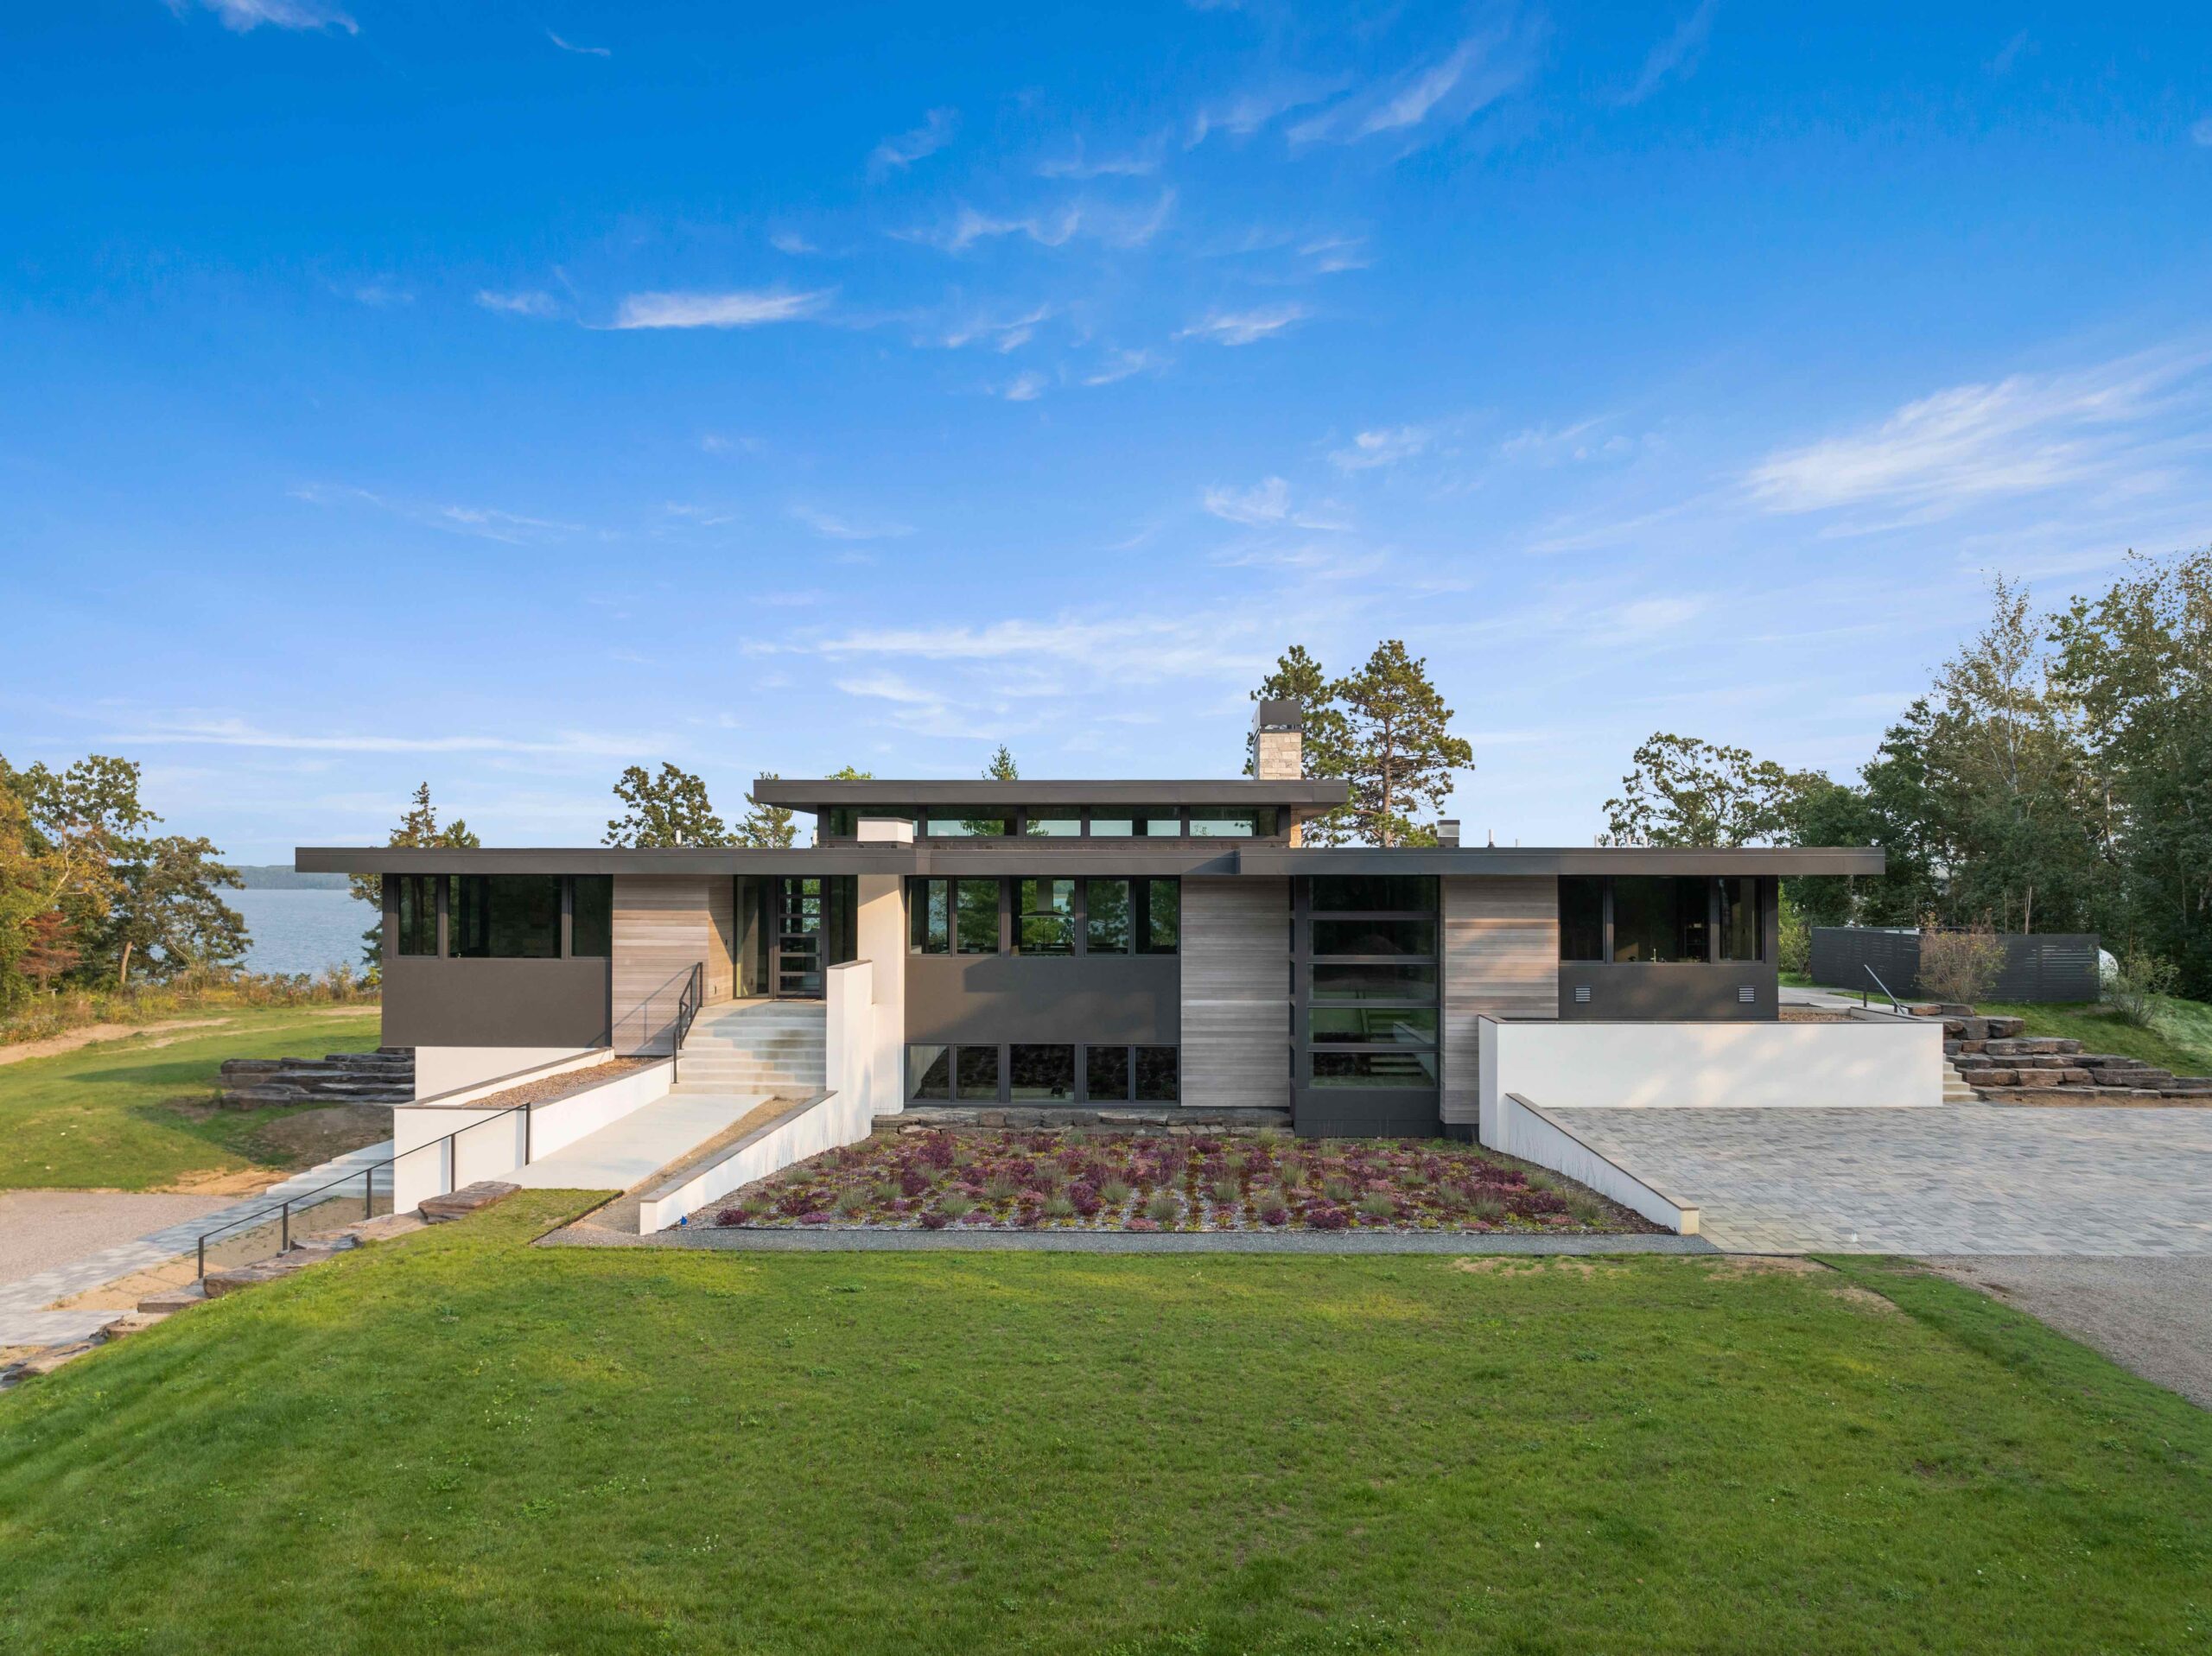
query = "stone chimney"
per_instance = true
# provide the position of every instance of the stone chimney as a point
(1278, 741)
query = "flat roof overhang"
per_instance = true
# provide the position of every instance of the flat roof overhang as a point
(800, 793)
(1790, 861)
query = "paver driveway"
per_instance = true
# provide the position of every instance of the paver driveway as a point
(1970, 1178)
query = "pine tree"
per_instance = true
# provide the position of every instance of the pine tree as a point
(1002, 767)
(1298, 677)
(417, 828)
(768, 827)
(1401, 754)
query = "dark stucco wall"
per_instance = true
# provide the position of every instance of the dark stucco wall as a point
(432, 1002)
(1688, 992)
(1134, 998)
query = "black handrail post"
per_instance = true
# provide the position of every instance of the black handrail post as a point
(202, 1276)
(285, 1246)
(368, 1195)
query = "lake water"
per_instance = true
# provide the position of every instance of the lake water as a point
(302, 930)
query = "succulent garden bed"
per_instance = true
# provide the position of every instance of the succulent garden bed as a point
(948, 1179)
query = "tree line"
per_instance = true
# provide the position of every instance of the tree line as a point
(2056, 776)
(90, 897)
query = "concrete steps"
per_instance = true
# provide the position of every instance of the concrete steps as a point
(772, 1048)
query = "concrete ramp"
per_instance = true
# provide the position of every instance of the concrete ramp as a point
(630, 1151)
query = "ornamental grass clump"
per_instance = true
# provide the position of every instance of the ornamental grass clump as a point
(1060, 1205)
(953, 1205)
(1225, 1192)
(1001, 1187)
(1114, 1193)
(1163, 1209)
(853, 1203)
(1378, 1206)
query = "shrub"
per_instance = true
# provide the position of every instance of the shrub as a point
(730, 1216)
(796, 1201)
(1163, 1207)
(1142, 1224)
(1273, 1213)
(1540, 1202)
(912, 1182)
(934, 1219)
(1960, 966)
(1327, 1218)
(939, 1150)
(819, 1216)
(1083, 1197)
(1797, 955)
(2136, 987)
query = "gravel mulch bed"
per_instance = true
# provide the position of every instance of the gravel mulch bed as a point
(991, 1180)
(548, 1090)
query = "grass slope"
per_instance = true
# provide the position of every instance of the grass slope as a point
(2179, 1039)
(458, 1442)
(103, 1116)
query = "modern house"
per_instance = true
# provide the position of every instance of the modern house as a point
(1099, 945)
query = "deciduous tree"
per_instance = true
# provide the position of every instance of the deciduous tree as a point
(671, 809)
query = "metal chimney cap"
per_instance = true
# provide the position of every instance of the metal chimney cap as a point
(1278, 715)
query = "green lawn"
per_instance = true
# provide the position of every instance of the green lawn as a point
(457, 1442)
(107, 1115)
(2180, 1038)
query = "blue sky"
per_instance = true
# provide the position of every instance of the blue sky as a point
(499, 394)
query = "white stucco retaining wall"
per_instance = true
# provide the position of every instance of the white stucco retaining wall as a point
(1886, 1064)
(440, 1069)
(489, 1145)
(1528, 1132)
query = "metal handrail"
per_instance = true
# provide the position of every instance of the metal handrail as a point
(1895, 1006)
(368, 1183)
(687, 1010)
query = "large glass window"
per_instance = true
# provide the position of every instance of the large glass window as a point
(1163, 915)
(1054, 824)
(1339, 984)
(967, 823)
(1159, 823)
(1156, 1075)
(929, 1072)
(929, 917)
(505, 917)
(1375, 937)
(591, 925)
(1106, 1073)
(1372, 1026)
(1045, 920)
(1040, 1073)
(1742, 935)
(976, 1071)
(418, 912)
(1658, 919)
(1582, 918)
(977, 918)
(1115, 824)
(1107, 917)
(1232, 821)
(843, 821)
(1415, 893)
(1415, 1067)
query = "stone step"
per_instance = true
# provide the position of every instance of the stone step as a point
(173, 1300)
(457, 1204)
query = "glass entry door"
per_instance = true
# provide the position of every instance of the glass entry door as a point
(797, 929)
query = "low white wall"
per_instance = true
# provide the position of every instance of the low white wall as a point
(448, 1068)
(489, 1145)
(838, 1119)
(1571, 1064)
(851, 1051)
(1528, 1132)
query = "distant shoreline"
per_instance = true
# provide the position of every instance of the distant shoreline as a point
(281, 877)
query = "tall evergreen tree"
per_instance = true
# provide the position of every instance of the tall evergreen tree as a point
(1327, 737)
(1400, 755)
(1002, 767)
(418, 829)
(768, 827)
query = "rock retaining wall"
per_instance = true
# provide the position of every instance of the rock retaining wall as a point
(2003, 1066)
(384, 1076)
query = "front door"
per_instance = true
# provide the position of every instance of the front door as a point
(796, 931)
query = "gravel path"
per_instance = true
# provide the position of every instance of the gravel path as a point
(41, 1229)
(2152, 1316)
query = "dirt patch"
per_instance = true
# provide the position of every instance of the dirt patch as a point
(237, 1181)
(313, 1137)
(124, 1292)
(69, 1041)
(1814, 1015)
(1508, 1264)
(1790, 1265)
(552, 1088)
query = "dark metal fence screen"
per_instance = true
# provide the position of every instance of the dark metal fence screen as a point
(2042, 966)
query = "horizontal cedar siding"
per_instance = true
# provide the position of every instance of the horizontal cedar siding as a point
(662, 926)
(1236, 959)
(1501, 960)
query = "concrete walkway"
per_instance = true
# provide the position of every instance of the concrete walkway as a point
(628, 1151)
(24, 1320)
(1964, 1179)
(2154, 1317)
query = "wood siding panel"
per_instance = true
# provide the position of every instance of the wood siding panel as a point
(722, 920)
(1501, 960)
(1235, 994)
(662, 927)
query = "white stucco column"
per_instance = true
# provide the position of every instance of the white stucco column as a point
(880, 940)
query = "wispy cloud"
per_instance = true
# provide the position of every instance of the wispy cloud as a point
(484, 523)
(1266, 504)
(1026, 387)
(1193, 645)
(581, 51)
(1240, 114)
(1585, 440)
(1474, 75)
(790, 241)
(1385, 445)
(235, 733)
(382, 296)
(1117, 226)
(1246, 326)
(1331, 253)
(831, 526)
(902, 150)
(1676, 57)
(1318, 562)
(1123, 364)
(2201, 134)
(1136, 163)
(739, 308)
(1001, 333)
(2020, 435)
(243, 14)
(2010, 53)
(528, 303)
